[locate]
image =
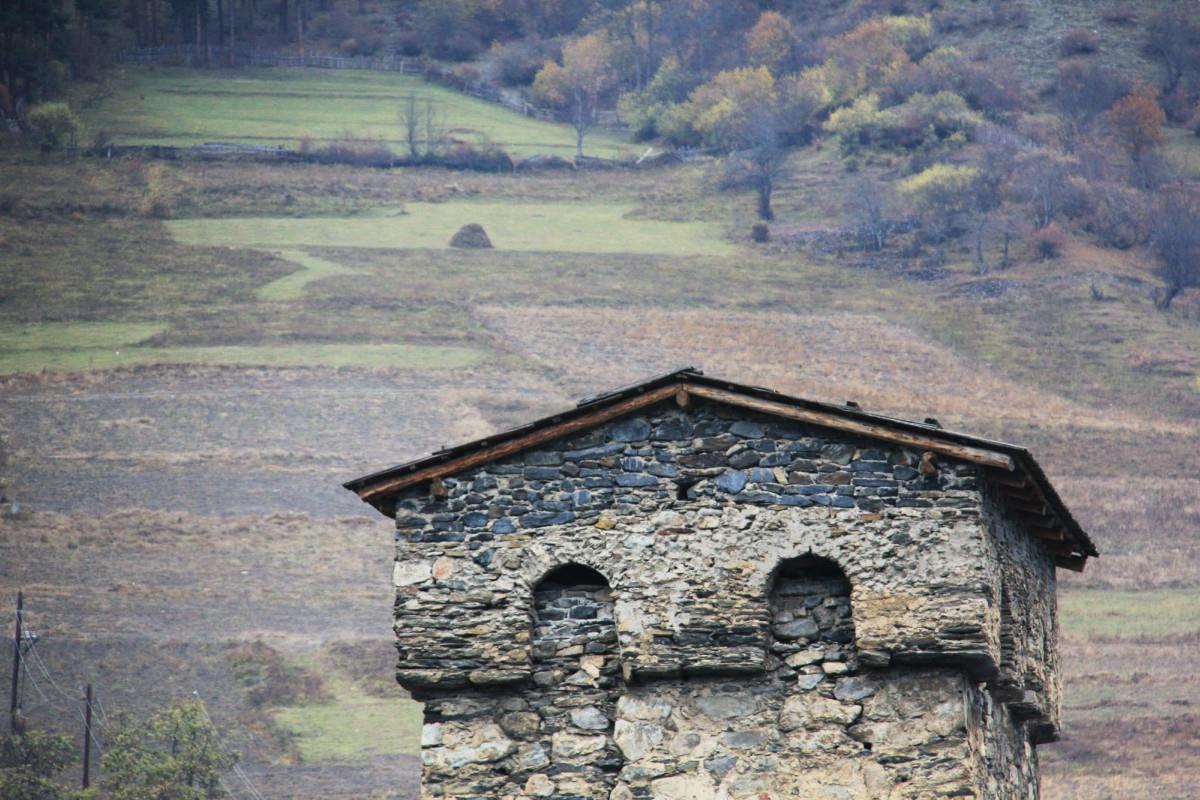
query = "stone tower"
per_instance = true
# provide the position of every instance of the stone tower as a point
(690, 589)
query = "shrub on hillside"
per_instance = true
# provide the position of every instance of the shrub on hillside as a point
(448, 29)
(269, 681)
(1121, 14)
(355, 151)
(483, 158)
(921, 120)
(1078, 42)
(30, 763)
(960, 19)
(989, 86)
(1137, 122)
(1084, 90)
(722, 112)
(53, 126)
(1119, 217)
(1178, 104)
(517, 63)
(1175, 240)
(772, 43)
(646, 110)
(943, 196)
(986, 85)
(1048, 242)
(1173, 40)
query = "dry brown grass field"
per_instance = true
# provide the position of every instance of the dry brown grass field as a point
(177, 509)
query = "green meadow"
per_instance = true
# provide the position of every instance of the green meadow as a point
(278, 106)
(568, 227)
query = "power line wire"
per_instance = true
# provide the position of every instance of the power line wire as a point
(237, 769)
(72, 700)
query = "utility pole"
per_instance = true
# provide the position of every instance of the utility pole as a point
(87, 736)
(16, 672)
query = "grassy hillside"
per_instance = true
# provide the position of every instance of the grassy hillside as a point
(276, 106)
(143, 466)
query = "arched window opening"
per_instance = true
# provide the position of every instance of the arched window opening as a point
(573, 616)
(810, 608)
(577, 670)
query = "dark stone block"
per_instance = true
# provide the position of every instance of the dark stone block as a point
(757, 497)
(476, 519)
(731, 482)
(636, 479)
(663, 470)
(747, 430)
(541, 473)
(630, 430)
(591, 453)
(673, 429)
(871, 466)
(745, 458)
(720, 767)
(721, 443)
(540, 519)
(705, 460)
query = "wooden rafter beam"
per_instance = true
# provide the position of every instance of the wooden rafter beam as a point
(1073, 563)
(1009, 481)
(1026, 507)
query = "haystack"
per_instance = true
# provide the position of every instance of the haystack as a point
(473, 236)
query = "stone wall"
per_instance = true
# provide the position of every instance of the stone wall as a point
(788, 612)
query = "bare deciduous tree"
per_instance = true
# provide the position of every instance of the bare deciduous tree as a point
(867, 204)
(1044, 180)
(585, 74)
(421, 126)
(1175, 240)
(760, 163)
(1173, 39)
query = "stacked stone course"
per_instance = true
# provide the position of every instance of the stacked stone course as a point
(781, 611)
